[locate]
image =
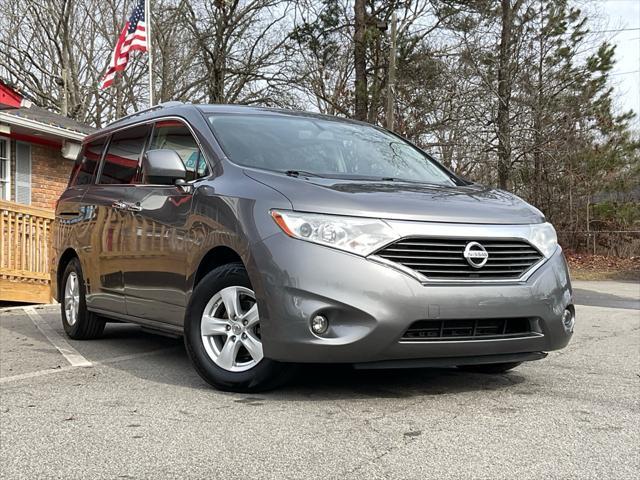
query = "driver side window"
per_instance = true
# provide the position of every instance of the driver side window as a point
(175, 135)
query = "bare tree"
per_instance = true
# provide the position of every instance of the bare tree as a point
(515, 93)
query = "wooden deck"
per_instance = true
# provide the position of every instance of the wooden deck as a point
(25, 245)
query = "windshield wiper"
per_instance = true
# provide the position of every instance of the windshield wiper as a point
(300, 173)
(397, 179)
(406, 180)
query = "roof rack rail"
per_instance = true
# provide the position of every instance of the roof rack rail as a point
(149, 109)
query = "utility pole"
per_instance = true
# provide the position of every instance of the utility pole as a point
(391, 84)
(360, 60)
(505, 76)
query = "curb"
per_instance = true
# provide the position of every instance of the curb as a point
(46, 306)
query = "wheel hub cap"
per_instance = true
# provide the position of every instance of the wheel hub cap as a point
(230, 329)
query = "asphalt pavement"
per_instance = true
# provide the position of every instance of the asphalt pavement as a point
(130, 406)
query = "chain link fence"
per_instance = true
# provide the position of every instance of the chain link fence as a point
(617, 243)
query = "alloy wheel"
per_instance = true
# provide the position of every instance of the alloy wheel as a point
(72, 298)
(230, 329)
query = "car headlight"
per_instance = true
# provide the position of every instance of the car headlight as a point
(361, 236)
(543, 237)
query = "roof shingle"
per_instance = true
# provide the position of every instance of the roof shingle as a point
(46, 117)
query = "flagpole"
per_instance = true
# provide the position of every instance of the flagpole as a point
(147, 18)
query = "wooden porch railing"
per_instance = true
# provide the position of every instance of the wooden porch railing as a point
(25, 236)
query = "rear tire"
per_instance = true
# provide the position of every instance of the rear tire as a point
(493, 368)
(78, 322)
(222, 336)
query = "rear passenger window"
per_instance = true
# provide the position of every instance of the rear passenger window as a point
(175, 135)
(121, 160)
(87, 162)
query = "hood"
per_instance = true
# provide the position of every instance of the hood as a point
(401, 200)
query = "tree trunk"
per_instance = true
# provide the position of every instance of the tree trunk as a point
(374, 90)
(537, 144)
(537, 121)
(219, 62)
(504, 96)
(360, 60)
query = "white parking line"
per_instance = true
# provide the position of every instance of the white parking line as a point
(121, 358)
(70, 353)
(38, 373)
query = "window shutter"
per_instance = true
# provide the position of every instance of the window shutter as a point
(23, 173)
(5, 167)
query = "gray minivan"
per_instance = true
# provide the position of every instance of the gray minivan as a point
(269, 238)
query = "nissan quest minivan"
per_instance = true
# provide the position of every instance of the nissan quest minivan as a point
(270, 238)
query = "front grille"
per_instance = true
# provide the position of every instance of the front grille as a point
(473, 329)
(442, 258)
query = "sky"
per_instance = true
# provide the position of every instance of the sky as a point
(619, 15)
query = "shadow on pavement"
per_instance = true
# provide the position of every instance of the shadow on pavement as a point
(160, 359)
(317, 382)
(324, 382)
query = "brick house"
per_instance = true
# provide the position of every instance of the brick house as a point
(37, 152)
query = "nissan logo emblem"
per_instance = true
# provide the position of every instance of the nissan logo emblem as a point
(475, 254)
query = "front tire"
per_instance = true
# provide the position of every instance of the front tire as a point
(78, 322)
(222, 334)
(491, 368)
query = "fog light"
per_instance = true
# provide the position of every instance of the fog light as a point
(319, 324)
(568, 320)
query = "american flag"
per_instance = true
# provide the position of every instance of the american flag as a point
(132, 37)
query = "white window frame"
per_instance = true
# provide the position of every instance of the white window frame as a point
(6, 181)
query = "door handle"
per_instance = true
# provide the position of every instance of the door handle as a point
(127, 206)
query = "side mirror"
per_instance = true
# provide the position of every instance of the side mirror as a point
(163, 167)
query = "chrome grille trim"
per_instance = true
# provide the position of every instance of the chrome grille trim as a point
(440, 259)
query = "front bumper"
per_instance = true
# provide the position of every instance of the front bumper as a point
(370, 306)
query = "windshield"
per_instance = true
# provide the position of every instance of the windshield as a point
(311, 146)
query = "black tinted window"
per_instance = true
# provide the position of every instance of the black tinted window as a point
(87, 162)
(121, 160)
(175, 135)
